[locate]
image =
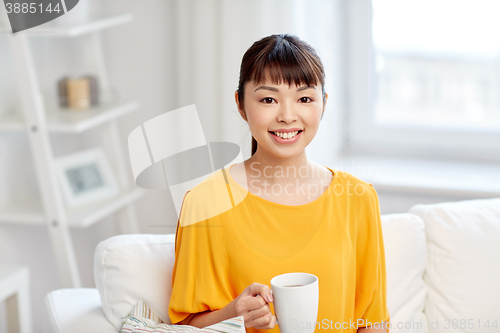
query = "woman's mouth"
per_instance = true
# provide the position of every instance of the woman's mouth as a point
(286, 137)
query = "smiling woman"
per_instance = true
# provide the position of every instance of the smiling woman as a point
(313, 219)
(301, 107)
(280, 59)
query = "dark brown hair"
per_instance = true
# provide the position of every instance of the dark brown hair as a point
(280, 58)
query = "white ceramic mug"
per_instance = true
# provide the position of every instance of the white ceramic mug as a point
(295, 301)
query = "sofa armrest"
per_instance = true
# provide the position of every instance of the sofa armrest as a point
(76, 310)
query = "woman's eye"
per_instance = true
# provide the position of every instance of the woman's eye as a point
(268, 100)
(305, 99)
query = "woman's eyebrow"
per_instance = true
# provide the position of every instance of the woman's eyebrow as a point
(276, 90)
(306, 87)
(267, 88)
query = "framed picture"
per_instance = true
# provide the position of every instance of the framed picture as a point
(86, 177)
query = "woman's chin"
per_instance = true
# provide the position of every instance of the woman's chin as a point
(286, 153)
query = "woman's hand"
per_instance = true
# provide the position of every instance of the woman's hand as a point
(253, 305)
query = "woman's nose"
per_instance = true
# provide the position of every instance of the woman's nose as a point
(287, 113)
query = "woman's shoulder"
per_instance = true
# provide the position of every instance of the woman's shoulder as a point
(210, 183)
(217, 183)
(347, 176)
(207, 199)
(353, 186)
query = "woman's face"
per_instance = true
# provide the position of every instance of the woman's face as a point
(283, 119)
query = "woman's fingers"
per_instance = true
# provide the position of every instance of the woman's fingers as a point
(262, 290)
(253, 305)
(265, 322)
(261, 318)
(249, 300)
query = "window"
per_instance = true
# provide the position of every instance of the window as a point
(424, 77)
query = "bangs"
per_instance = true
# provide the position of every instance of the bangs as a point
(285, 62)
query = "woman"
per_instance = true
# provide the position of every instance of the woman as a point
(294, 214)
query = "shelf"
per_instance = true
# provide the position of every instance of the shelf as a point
(72, 121)
(70, 29)
(30, 211)
(76, 121)
(44, 116)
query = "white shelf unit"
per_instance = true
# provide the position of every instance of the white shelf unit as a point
(63, 121)
(30, 211)
(48, 209)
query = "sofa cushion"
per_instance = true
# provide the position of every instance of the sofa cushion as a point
(132, 267)
(463, 270)
(76, 310)
(406, 258)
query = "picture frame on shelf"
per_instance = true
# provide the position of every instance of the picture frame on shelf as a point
(86, 177)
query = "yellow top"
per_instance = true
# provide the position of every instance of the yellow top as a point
(227, 238)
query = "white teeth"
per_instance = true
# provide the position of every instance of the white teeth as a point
(287, 135)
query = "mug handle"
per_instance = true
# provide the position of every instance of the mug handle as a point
(275, 314)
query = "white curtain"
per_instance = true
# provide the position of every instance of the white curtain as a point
(211, 38)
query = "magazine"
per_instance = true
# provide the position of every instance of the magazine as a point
(143, 319)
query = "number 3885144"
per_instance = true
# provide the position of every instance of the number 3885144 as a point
(31, 8)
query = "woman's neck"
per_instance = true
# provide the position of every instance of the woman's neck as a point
(276, 170)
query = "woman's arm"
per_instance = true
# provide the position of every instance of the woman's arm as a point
(373, 243)
(252, 304)
(207, 318)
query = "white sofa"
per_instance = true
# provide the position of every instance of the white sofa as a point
(443, 273)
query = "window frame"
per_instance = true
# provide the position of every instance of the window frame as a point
(365, 136)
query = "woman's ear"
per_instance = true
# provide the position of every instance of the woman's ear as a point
(240, 110)
(324, 105)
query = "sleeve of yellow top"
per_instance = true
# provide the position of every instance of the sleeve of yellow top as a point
(199, 276)
(374, 280)
(175, 316)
